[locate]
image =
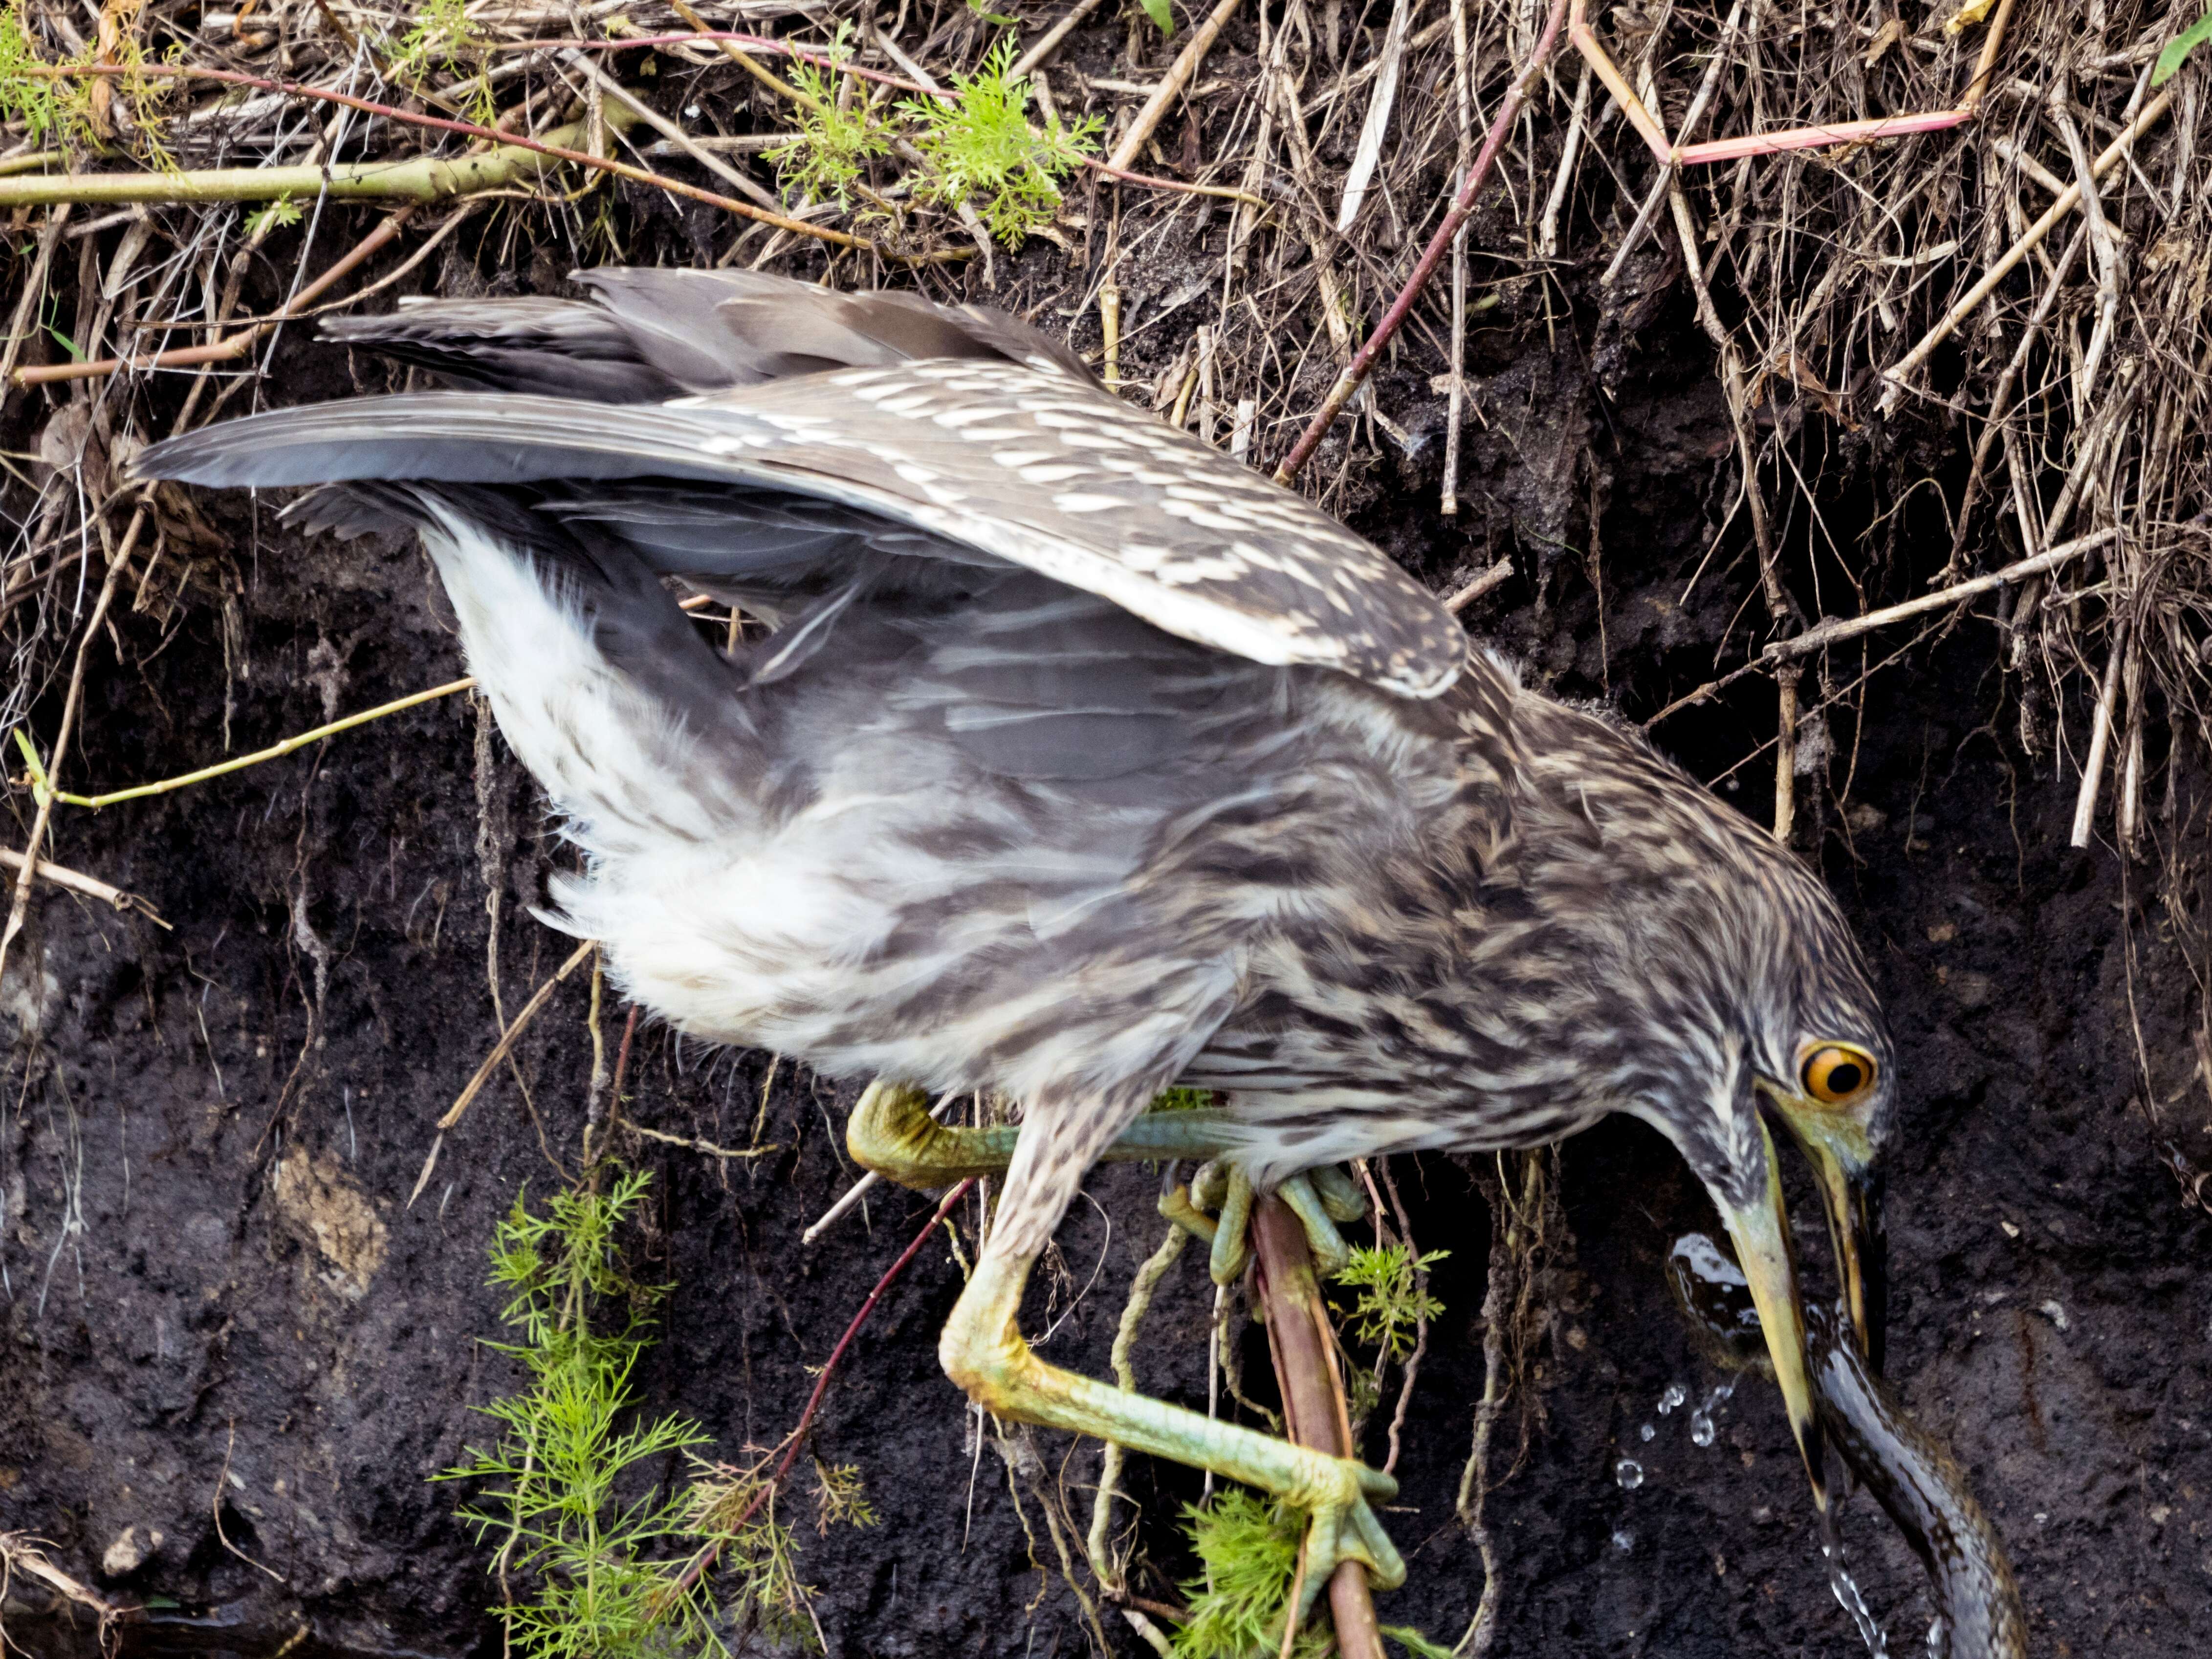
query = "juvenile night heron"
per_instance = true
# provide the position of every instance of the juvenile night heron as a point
(1080, 760)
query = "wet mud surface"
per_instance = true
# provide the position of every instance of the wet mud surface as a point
(231, 1350)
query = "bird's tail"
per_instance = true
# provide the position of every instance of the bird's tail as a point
(603, 687)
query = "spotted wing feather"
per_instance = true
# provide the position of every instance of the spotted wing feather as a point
(1027, 466)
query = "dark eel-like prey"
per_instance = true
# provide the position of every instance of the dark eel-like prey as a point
(1909, 1473)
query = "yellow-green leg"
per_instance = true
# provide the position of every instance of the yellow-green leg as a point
(983, 1352)
(983, 1349)
(892, 1132)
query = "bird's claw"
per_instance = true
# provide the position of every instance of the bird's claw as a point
(1320, 1199)
(1345, 1527)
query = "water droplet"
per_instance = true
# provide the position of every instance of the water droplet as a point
(1647, 1431)
(1625, 1541)
(1846, 1591)
(1701, 1428)
(1629, 1472)
(1676, 1394)
(1939, 1639)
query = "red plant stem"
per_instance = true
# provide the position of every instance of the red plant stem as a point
(706, 1558)
(1313, 1396)
(1363, 362)
(621, 1060)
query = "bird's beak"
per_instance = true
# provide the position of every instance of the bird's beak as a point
(1761, 1232)
(1851, 1192)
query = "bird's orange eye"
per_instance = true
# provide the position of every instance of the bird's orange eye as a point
(1837, 1075)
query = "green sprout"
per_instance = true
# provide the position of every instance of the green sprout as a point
(1392, 1302)
(825, 158)
(981, 150)
(278, 213)
(52, 111)
(445, 37)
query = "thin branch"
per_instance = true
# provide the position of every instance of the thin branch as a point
(275, 752)
(529, 1011)
(91, 886)
(1895, 374)
(236, 345)
(706, 1558)
(1170, 88)
(1830, 633)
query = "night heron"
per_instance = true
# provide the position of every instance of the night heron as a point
(1079, 761)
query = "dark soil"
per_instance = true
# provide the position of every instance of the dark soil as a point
(226, 1328)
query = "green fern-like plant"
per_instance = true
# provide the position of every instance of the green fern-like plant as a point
(736, 1508)
(829, 152)
(559, 1483)
(982, 151)
(52, 112)
(275, 217)
(1249, 1547)
(1392, 1302)
(444, 37)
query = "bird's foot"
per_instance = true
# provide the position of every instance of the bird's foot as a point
(1319, 1197)
(1344, 1527)
(983, 1352)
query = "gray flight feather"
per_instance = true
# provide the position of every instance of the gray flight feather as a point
(647, 336)
(1028, 466)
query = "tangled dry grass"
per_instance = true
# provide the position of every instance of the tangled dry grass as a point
(1847, 290)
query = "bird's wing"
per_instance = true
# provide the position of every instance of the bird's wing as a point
(1025, 465)
(645, 336)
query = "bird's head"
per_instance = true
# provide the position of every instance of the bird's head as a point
(1799, 1046)
(1724, 998)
